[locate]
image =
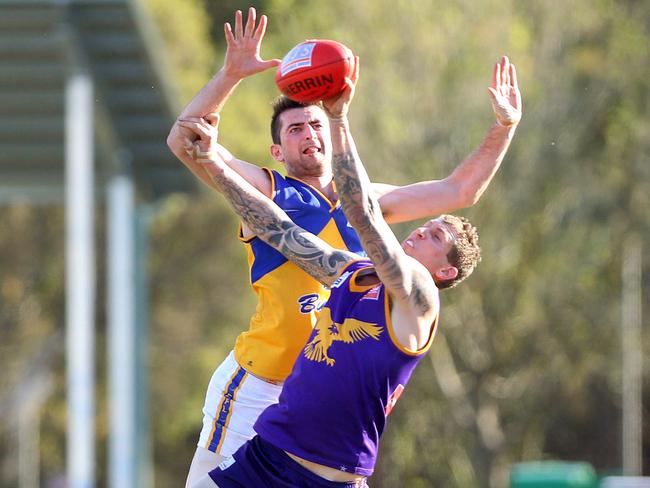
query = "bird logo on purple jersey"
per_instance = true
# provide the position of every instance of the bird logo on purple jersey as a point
(328, 331)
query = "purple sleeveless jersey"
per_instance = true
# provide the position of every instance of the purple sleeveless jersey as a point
(333, 407)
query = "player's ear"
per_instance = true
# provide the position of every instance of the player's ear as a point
(276, 152)
(446, 274)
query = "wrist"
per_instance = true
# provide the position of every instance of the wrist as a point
(508, 128)
(341, 119)
(503, 131)
(229, 76)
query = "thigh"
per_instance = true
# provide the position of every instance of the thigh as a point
(234, 401)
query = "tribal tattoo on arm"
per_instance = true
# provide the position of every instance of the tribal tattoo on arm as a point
(269, 222)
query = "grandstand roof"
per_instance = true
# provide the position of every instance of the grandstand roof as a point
(40, 42)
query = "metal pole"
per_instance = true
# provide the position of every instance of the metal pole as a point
(632, 357)
(121, 331)
(80, 279)
(34, 394)
(145, 475)
(28, 452)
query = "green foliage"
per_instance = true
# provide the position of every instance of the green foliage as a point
(185, 31)
(526, 362)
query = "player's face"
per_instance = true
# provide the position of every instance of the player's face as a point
(305, 143)
(430, 244)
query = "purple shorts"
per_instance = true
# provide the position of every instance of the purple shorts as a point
(259, 464)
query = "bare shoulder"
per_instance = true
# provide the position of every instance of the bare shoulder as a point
(413, 316)
(418, 295)
(257, 176)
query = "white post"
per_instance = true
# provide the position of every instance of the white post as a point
(28, 452)
(632, 357)
(122, 456)
(34, 394)
(144, 474)
(80, 279)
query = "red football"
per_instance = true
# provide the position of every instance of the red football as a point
(315, 70)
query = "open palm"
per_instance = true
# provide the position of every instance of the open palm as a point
(243, 52)
(504, 93)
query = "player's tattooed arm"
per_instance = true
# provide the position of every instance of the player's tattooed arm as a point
(273, 226)
(402, 278)
(260, 214)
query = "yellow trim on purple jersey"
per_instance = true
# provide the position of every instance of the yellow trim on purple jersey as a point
(398, 345)
(288, 298)
(375, 290)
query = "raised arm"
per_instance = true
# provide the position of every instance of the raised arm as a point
(406, 280)
(263, 217)
(242, 60)
(465, 185)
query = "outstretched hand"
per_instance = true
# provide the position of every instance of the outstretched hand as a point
(243, 53)
(504, 93)
(338, 106)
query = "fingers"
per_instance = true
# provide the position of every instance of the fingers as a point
(188, 144)
(355, 74)
(200, 123)
(249, 30)
(261, 28)
(195, 150)
(200, 127)
(250, 22)
(227, 30)
(505, 71)
(204, 157)
(271, 63)
(239, 30)
(348, 90)
(504, 75)
(513, 77)
(515, 88)
(504, 93)
(213, 119)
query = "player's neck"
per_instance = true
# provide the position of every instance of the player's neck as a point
(323, 183)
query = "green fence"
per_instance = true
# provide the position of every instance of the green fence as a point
(553, 474)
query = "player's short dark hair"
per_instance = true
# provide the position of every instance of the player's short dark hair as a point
(465, 253)
(280, 105)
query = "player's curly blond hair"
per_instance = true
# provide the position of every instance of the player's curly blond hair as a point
(465, 253)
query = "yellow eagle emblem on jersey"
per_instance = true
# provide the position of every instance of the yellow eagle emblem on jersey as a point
(328, 331)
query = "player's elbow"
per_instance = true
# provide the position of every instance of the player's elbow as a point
(174, 143)
(464, 194)
(469, 198)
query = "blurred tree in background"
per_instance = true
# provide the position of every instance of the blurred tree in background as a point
(526, 363)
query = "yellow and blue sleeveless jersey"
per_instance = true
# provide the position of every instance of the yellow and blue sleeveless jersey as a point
(288, 299)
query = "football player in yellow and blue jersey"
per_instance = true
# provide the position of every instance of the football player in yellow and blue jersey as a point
(251, 377)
